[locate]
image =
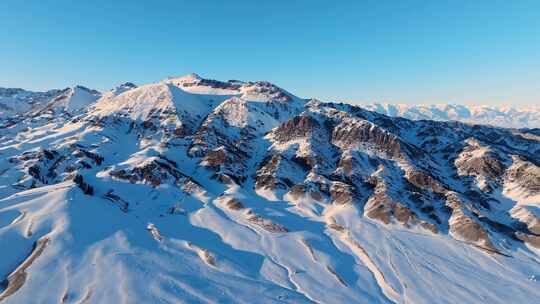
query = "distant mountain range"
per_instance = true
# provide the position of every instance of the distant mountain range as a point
(192, 190)
(507, 116)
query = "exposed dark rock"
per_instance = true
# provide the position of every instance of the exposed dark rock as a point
(336, 227)
(526, 174)
(464, 227)
(298, 190)
(34, 171)
(215, 158)
(488, 165)
(382, 207)
(267, 224)
(234, 204)
(96, 158)
(86, 188)
(425, 181)
(154, 173)
(531, 239)
(124, 205)
(363, 132)
(16, 279)
(265, 178)
(342, 193)
(297, 127)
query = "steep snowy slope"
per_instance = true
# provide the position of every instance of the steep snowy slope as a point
(508, 117)
(201, 191)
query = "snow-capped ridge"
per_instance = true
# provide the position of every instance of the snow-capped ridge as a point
(73, 99)
(191, 77)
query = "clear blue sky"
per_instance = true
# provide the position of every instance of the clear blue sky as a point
(393, 51)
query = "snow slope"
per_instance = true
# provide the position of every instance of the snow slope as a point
(193, 190)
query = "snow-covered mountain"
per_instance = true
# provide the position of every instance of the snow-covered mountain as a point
(193, 190)
(14, 101)
(507, 116)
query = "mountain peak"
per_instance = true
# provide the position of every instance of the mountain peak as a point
(188, 78)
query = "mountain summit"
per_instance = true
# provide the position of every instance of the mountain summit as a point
(204, 191)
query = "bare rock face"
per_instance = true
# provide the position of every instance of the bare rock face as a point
(234, 204)
(463, 226)
(48, 166)
(18, 277)
(318, 192)
(482, 163)
(346, 164)
(382, 207)
(530, 239)
(525, 174)
(342, 193)
(215, 158)
(298, 191)
(265, 178)
(297, 127)
(486, 166)
(274, 173)
(355, 132)
(267, 224)
(211, 83)
(425, 181)
(153, 172)
(83, 185)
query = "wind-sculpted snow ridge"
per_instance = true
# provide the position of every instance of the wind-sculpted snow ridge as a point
(193, 190)
(504, 116)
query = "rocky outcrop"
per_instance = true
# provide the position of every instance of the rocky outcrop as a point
(215, 158)
(266, 224)
(482, 163)
(234, 204)
(297, 127)
(84, 186)
(425, 181)
(316, 191)
(154, 172)
(463, 225)
(524, 174)
(342, 193)
(18, 277)
(268, 175)
(382, 207)
(488, 166)
(530, 239)
(357, 133)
